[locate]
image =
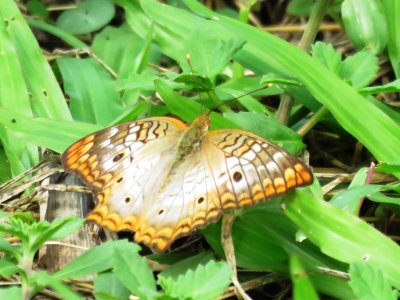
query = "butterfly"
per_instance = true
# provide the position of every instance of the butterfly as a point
(163, 179)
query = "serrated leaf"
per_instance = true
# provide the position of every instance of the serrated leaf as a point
(326, 54)
(89, 16)
(193, 280)
(133, 271)
(368, 283)
(42, 279)
(360, 69)
(92, 261)
(39, 233)
(107, 286)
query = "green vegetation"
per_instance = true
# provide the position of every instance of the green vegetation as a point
(314, 242)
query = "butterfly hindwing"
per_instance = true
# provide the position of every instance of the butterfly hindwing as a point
(249, 169)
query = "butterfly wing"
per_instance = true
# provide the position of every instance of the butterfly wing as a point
(125, 165)
(248, 169)
(140, 186)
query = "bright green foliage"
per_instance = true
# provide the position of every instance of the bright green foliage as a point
(19, 258)
(328, 226)
(89, 16)
(365, 24)
(107, 286)
(14, 293)
(123, 80)
(302, 286)
(198, 277)
(348, 200)
(133, 271)
(392, 11)
(368, 283)
(92, 90)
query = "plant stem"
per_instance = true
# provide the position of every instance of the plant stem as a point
(218, 103)
(310, 32)
(313, 120)
(26, 264)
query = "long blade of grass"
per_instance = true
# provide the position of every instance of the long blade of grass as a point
(47, 98)
(15, 96)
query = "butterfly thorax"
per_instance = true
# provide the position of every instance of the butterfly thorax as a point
(188, 145)
(193, 136)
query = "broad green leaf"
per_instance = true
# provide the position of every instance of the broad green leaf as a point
(350, 200)
(263, 236)
(209, 54)
(360, 69)
(8, 268)
(42, 279)
(133, 271)
(336, 231)
(190, 279)
(14, 293)
(107, 286)
(47, 99)
(6, 247)
(368, 283)
(52, 134)
(92, 261)
(36, 234)
(118, 47)
(365, 24)
(92, 90)
(328, 56)
(69, 226)
(302, 286)
(88, 16)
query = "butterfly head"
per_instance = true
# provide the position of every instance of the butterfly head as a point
(201, 124)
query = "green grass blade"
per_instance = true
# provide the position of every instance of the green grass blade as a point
(343, 236)
(52, 134)
(15, 97)
(361, 118)
(47, 98)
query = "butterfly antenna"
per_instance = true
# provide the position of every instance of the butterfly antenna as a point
(196, 88)
(248, 93)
